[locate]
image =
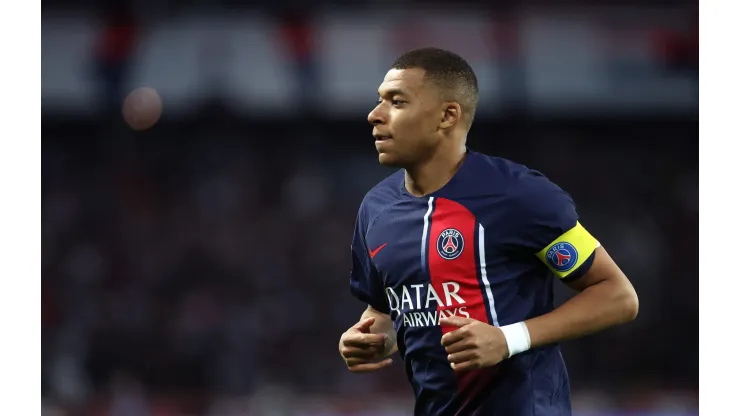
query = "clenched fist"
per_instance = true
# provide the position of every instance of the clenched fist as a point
(473, 344)
(362, 350)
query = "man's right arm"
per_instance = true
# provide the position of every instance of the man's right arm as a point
(366, 285)
(382, 325)
(372, 338)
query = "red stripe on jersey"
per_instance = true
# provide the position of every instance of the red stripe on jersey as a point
(454, 277)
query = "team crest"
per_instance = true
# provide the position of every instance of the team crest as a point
(450, 244)
(562, 256)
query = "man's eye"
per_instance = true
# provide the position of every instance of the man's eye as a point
(393, 102)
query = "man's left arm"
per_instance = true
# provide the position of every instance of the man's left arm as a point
(606, 298)
(549, 227)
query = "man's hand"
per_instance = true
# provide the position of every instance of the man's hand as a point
(361, 350)
(473, 344)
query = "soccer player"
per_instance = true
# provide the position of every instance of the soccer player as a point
(455, 255)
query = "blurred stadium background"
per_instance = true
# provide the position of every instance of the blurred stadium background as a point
(201, 267)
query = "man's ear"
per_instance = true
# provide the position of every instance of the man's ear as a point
(451, 115)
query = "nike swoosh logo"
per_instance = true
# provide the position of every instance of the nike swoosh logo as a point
(374, 252)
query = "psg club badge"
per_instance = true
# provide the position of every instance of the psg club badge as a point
(450, 244)
(562, 256)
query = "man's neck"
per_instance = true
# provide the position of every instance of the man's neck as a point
(433, 174)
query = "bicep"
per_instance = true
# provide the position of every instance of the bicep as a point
(571, 254)
(365, 284)
(602, 269)
(546, 225)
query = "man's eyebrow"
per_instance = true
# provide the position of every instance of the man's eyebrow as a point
(392, 92)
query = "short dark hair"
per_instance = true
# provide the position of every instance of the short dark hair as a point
(449, 71)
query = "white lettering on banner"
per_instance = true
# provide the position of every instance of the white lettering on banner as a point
(415, 309)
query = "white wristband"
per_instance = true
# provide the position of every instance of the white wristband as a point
(517, 337)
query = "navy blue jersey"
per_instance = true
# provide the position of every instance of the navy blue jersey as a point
(486, 246)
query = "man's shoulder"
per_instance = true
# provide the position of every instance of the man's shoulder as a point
(504, 169)
(514, 179)
(520, 189)
(382, 195)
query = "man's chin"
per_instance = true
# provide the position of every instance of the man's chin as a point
(387, 159)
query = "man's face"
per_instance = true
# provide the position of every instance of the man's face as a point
(406, 120)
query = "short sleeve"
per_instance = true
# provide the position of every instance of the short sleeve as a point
(548, 227)
(365, 283)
